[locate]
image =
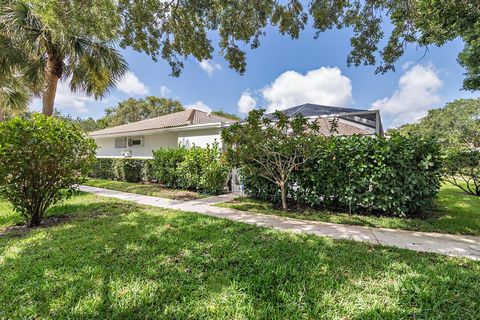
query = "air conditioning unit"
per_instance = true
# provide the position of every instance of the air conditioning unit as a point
(127, 153)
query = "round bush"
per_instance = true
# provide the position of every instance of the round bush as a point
(41, 161)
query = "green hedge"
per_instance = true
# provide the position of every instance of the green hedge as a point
(130, 170)
(393, 176)
(200, 169)
(103, 169)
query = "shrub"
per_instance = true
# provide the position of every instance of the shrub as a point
(103, 169)
(165, 165)
(148, 172)
(41, 161)
(196, 168)
(462, 169)
(190, 169)
(258, 187)
(130, 170)
(214, 177)
(396, 176)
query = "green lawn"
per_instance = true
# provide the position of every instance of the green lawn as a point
(111, 259)
(148, 189)
(455, 212)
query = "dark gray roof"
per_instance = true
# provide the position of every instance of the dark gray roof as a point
(316, 110)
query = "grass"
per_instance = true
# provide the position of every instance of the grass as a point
(117, 260)
(455, 212)
(148, 189)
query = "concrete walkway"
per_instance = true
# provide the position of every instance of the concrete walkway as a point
(448, 244)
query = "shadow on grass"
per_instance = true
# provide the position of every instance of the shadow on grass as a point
(68, 211)
(152, 263)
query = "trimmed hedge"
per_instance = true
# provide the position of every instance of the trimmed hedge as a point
(130, 170)
(397, 176)
(103, 169)
(165, 165)
(199, 169)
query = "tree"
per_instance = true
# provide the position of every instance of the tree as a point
(14, 97)
(175, 29)
(457, 124)
(87, 125)
(132, 110)
(462, 169)
(42, 159)
(88, 63)
(15, 89)
(222, 113)
(275, 147)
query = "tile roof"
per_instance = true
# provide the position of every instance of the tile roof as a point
(343, 129)
(177, 119)
(318, 110)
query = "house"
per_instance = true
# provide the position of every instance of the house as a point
(139, 139)
(195, 127)
(349, 121)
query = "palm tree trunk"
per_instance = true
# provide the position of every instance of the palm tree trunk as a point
(1, 114)
(53, 72)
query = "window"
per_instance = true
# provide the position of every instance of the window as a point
(120, 143)
(135, 142)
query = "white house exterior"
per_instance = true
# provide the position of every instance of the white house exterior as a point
(140, 139)
(194, 127)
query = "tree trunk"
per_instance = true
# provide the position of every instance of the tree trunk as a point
(34, 220)
(1, 114)
(53, 72)
(284, 196)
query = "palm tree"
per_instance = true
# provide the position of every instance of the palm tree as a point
(88, 64)
(15, 93)
(14, 97)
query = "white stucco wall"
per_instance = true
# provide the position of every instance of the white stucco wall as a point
(106, 146)
(199, 137)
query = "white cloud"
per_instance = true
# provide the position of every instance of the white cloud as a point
(66, 99)
(246, 103)
(417, 93)
(209, 66)
(199, 105)
(130, 84)
(164, 91)
(322, 86)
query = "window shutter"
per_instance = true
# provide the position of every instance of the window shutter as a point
(120, 143)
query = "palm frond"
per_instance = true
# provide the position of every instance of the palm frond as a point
(94, 67)
(14, 97)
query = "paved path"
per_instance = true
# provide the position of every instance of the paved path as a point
(448, 244)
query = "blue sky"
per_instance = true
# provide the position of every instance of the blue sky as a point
(283, 72)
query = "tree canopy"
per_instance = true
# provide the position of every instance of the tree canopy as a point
(45, 54)
(132, 110)
(78, 37)
(457, 124)
(175, 29)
